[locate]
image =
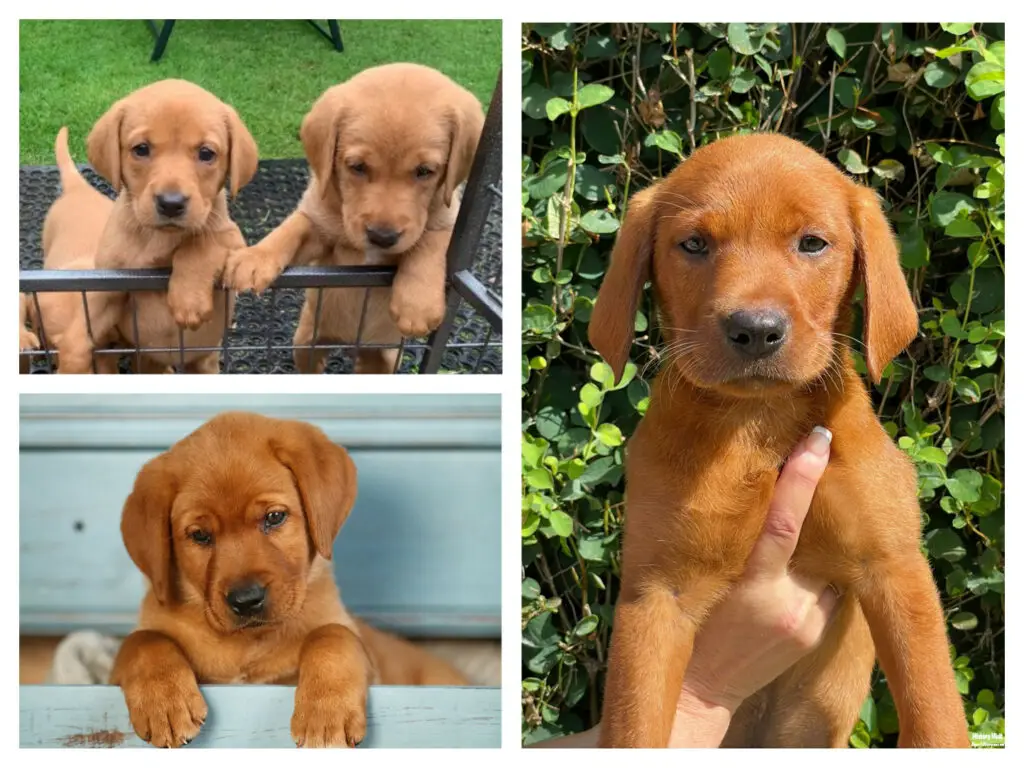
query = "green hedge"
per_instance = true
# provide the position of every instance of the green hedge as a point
(915, 110)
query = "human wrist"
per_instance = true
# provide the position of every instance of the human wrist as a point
(700, 721)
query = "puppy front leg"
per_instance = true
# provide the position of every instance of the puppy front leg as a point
(330, 700)
(195, 269)
(160, 688)
(651, 647)
(256, 267)
(905, 616)
(417, 294)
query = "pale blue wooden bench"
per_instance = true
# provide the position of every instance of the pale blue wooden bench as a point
(419, 554)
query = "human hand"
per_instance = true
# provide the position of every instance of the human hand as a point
(768, 621)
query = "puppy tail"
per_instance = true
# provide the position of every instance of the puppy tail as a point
(69, 175)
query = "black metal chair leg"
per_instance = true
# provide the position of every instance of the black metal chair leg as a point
(162, 36)
(332, 33)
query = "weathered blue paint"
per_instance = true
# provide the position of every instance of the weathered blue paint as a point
(260, 716)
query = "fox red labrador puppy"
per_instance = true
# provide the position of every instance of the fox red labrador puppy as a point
(755, 246)
(234, 528)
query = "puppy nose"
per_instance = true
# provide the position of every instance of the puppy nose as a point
(247, 599)
(382, 237)
(171, 205)
(757, 333)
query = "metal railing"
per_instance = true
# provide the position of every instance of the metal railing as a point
(481, 193)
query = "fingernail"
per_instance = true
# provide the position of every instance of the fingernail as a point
(819, 441)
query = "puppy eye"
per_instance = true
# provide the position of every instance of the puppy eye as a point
(274, 518)
(811, 244)
(202, 538)
(206, 155)
(423, 172)
(359, 169)
(141, 150)
(695, 245)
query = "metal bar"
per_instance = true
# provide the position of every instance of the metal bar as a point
(88, 328)
(479, 297)
(359, 331)
(225, 349)
(42, 334)
(161, 38)
(333, 33)
(398, 360)
(135, 330)
(483, 349)
(64, 280)
(469, 227)
(181, 348)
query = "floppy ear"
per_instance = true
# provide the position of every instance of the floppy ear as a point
(325, 476)
(466, 121)
(243, 153)
(614, 314)
(103, 145)
(319, 134)
(890, 317)
(146, 525)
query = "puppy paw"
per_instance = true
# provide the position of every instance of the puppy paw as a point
(251, 269)
(328, 718)
(166, 711)
(190, 309)
(416, 318)
(28, 340)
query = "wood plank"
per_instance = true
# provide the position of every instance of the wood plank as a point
(259, 716)
(157, 421)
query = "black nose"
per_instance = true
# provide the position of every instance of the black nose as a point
(756, 333)
(382, 237)
(172, 205)
(247, 599)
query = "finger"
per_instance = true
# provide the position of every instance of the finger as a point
(790, 502)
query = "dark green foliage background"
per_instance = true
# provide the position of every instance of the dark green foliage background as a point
(914, 110)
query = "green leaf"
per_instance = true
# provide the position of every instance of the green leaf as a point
(986, 354)
(914, 250)
(968, 389)
(741, 40)
(836, 42)
(944, 543)
(963, 228)
(851, 161)
(561, 523)
(889, 169)
(965, 485)
(933, 455)
(535, 99)
(720, 63)
(847, 91)
(666, 140)
(585, 626)
(531, 589)
(540, 479)
(986, 78)
(940, 74)
(743, 81)
(538, 319)
(947, 206)
(964, 620)
(957, 29)
(556, 107)
(599, 222)
(609, 435)
(593, 94)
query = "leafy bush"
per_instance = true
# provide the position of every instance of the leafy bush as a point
(916, 111)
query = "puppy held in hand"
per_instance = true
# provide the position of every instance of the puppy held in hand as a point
(387, 151)
(234, 528)
(756, 246)
(171, 149)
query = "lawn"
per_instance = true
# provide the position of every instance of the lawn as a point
(270, 71)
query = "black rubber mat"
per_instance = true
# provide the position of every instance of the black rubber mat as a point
(271, 319)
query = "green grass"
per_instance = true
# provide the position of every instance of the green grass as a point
(270, 71)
